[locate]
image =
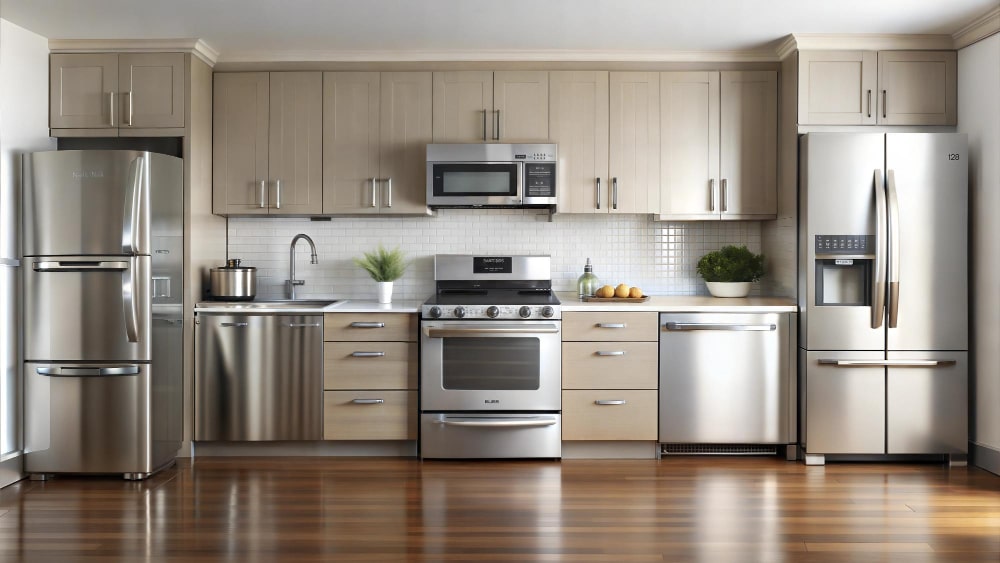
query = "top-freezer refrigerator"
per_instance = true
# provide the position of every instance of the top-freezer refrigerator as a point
(883, 294)
(103, 318)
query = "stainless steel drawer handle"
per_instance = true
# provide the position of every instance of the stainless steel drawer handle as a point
(611, 353)
(367, 354)
(888, 363)
(303, 325)
(83, 372)
(368, 401)
(528, 422)
(611, 325)
(79, 266)
(604, 402)
(367, 325)
(715, 326)
(234, 325)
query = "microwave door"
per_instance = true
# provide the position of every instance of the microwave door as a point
(471, 184)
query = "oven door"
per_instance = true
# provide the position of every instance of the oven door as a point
(490, 366)
(466, 184)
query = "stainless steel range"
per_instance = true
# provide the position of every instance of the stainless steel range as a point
(491, 348)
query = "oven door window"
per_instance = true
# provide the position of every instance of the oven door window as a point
(475, 179)
(491, 364)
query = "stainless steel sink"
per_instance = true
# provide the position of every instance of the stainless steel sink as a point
(275, 304)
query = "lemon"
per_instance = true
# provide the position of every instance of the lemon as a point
(622, 290)
(635, 292)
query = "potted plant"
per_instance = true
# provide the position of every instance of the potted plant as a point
(729, 271)
(384, 266)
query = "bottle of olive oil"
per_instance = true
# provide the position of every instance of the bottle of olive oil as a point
(587, 283)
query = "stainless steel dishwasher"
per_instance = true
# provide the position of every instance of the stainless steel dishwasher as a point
(726, 382)
(258, 377)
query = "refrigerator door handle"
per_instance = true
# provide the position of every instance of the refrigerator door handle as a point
(878, 284)
(133, 201)
(130, 304)
(889, 363)
(79, 266)
(77, 371)
(894, 250)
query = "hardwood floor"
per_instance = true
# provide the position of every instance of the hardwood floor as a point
(698, 509)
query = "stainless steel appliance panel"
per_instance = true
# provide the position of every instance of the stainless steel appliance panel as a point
(840, 173)
(928, 403)
(78, 420)
(846, 403)
(10, 363)
(927, 179)
(451, 267)
(490, 365)
(86, 203)
(490, 435)
(87, 308)
(725, 378)
(258, 377)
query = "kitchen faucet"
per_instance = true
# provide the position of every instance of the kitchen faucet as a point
(291, 282)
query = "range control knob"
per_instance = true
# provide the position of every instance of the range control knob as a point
(524, 312)
(434, 312)
(460, 312)
(493, 311)
(547, 311)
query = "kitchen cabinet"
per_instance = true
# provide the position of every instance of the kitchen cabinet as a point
(370, 367)
(719, 149)
(486, 106)
(267, 143)
(116, 93)
(878, 87)
(607, 126)
(375, 130)
(609, 370)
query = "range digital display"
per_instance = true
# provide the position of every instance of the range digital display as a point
(492, 265)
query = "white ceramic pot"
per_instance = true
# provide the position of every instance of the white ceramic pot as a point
(728, 289)
(384, 292)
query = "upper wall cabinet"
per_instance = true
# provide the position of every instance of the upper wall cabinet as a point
(267, 143)
(884, 88)
(116, 94)
(375, 130)
(719, 150)
(484, 106)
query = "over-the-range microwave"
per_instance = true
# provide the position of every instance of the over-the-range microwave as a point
(475, 175)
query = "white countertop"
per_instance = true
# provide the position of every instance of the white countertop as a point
(365, 306)
(341, 306)
(685, 304)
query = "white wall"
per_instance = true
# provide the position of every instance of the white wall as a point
(979, 117)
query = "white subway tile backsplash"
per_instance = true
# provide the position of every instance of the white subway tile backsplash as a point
(660, 257)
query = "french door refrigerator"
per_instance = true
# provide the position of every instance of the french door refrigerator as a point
(103, 316)
(883, 294)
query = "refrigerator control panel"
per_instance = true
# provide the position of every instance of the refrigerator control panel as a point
(845, 244)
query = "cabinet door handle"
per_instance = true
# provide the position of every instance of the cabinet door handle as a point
(368, 401)
(711, 194)
(611, 353)
(606, 402)
(869, 103)
(883, 104)
(367, 354)
(359, 324)
(277, 194)
(388, 192)
(725, 194)
(611, 325)
(614, 193)
(496, 132)
(128, 113)
(484, 126)
(111, 108)
(598, 194)
(374, 187)
(263, 194)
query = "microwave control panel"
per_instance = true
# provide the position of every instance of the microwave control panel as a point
(540, 179)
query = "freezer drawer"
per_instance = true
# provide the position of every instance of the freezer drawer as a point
(928, 403)
(845, 405)
(87, 308)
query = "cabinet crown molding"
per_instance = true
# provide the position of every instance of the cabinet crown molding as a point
(865, 42)
(978, 29)
(197, 47)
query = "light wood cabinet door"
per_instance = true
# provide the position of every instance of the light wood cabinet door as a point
(350, 142)
(610, 365)
(370, 415)
(240, 143)
(520, 106)
(609, 414)
(151, 89)
(578, 122)
(748, 161)
(838, 87)
(917, 87)
(383, 327)
(405, 129)
(370, 365)
(689, 149)
(610, 326)
(634, 142)
(295, 160)
(463, 102)
(83, 90)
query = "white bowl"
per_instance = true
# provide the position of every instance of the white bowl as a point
(729, 289)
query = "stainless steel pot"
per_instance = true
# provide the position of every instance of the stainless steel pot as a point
(232, 282)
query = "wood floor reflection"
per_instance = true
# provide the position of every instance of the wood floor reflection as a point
(696, 509)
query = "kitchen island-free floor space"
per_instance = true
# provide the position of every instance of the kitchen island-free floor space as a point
(376, 509)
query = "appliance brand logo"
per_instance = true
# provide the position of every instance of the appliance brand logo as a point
(78, 174)
(492, 401)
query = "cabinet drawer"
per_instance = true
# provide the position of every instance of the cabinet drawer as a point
(609, 365)
(584, 419)
(355, 415)
(610, 326)
(370, 365)
(379, 327)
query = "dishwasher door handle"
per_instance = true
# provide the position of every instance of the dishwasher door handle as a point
(718, 326)
(888, 363)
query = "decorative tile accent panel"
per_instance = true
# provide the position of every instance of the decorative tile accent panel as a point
(660, 257)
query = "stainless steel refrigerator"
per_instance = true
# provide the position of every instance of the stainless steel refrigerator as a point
(883, 294)
(10, 340)
(103, 316)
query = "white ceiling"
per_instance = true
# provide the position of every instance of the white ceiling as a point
(263, 30)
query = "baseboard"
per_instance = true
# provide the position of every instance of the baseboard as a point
(380, 448)
(985, 457)
(608, 450)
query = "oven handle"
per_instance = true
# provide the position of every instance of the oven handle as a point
(527, 422)
(487, 331)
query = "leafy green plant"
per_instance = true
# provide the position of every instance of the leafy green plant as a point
(731, 264)
(383, 265)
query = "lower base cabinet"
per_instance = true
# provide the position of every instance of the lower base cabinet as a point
(609, 414)
(370, 415)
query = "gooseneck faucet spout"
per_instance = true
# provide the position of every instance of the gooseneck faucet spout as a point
(291, 282)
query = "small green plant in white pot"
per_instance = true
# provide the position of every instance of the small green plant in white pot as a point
(385, 267)
(729, 271)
